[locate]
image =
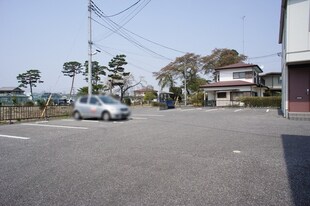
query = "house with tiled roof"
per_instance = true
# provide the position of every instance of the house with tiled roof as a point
(143, 91)
(273, 80)
(7, 94)
(232, 82)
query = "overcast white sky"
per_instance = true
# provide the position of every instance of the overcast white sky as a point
(43, 35)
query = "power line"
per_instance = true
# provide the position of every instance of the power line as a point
(265, 56)
(136, 66)
(130, 39)
(120, 27)
(118, 12)
(100, 14)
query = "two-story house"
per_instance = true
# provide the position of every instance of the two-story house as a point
(234, 81)
(295, 39)
(272, 80)
(7, 94)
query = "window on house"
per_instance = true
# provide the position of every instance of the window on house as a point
(221, 95)
(235, 95)
(242, 75)
(280, 80)
(217, 76)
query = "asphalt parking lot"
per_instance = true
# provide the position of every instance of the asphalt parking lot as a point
(190, 156)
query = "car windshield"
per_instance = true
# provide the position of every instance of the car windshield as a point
(108, 100)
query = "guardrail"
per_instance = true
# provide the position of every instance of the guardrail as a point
(17, 113)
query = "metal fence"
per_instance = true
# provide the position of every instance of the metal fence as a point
(17, 113)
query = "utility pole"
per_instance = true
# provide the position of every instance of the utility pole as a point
(185, 92)
(90, 52)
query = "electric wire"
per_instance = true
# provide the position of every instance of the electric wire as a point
(136, 66)
(100, 14)
(118, 12)
(132, 40)
(123, 24)
(265, 56)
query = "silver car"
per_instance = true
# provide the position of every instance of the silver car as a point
(101, 107)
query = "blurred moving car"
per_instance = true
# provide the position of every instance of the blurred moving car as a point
(101, 107)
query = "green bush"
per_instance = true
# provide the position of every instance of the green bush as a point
(127, 101)
(29, 104)
(261, 101)
(197, 99)
(158, 104)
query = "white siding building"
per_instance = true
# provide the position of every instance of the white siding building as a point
(295, 39)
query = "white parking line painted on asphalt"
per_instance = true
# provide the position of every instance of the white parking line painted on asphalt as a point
(238, 110)
(267, 110)
(55, 126)
(186, 110)
(211, 110)
(14, 137)
(150, 115)
(138, 118)
(40, 122)
(236, 151)
(85, 120)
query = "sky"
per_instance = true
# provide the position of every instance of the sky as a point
(43, 35)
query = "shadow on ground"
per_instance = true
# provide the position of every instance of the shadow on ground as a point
(297, 158)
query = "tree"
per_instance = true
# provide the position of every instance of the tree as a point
(118, 77)
(149, 96)
(184, 67)
(97, 70)
(116, 70)
(31, 78)
(71, 69)
(220, 58)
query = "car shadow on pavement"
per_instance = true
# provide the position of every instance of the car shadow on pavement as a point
(297, 158)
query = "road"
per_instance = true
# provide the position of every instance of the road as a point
(189, 156)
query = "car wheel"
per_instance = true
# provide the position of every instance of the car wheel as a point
(77, 115)
(106, 116)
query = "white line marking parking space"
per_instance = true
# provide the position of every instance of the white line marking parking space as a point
(238, 110)
(138, 118)
(149, 115)
(14, 137)
(54, 126)
(211, 110)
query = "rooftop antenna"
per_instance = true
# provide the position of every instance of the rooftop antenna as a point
(243, 34)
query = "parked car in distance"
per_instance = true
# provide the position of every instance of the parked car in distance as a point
(100, 107)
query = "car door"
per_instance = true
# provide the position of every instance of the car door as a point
(94, 107)
(82, 106)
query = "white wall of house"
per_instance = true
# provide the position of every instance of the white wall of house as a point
(211, 95)
(220, 102)
(297, 40)
(227, 74)
(273, 81)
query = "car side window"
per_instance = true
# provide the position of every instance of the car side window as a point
(93, 100)
(83, 100)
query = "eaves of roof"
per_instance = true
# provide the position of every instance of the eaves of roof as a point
(239, 65)
(282, 16)
(228, 84)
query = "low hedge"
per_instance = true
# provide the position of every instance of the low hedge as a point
(261, 101)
